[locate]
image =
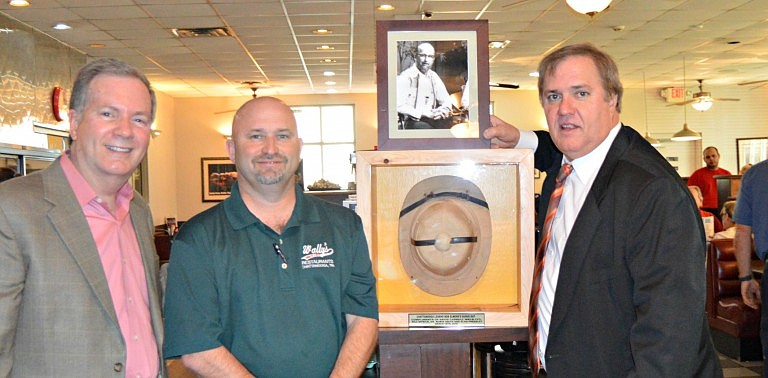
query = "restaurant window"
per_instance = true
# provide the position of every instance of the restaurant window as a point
(329, 142)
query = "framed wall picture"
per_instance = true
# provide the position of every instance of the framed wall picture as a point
(218, 175)
(432, 84)
(448, 248)
(750, 151)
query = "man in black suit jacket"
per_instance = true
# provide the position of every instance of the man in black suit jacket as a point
(629, 285)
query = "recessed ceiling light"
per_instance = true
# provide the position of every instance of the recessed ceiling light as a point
(325, 47)
(329, 73)
(329, 82)
(97, 45)
(328, 60)
(331, 90)
(534, 74)
(322, 31)
(385, 7)
(18, 3)
(62, 26)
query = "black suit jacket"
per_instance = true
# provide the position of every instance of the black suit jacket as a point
(630, 296)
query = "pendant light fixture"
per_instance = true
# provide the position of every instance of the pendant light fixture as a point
(588, 7)
(653, 141)
(685, 134)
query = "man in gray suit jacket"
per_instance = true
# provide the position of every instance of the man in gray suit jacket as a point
(623, 285)
(78, 269)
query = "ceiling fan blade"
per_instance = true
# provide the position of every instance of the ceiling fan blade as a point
(225, 111)
(726, 99)
(752, 82)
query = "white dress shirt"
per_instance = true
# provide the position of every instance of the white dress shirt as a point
(575, 191)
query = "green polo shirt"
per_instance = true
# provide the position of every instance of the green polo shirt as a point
(227, 287)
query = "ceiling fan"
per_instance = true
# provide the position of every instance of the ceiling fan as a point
(253, 86)
(702, 101)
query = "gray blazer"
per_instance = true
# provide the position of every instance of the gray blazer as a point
(56, 313)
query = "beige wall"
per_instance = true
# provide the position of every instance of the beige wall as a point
(161, 161)
(192, 130)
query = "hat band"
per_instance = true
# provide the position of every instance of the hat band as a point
(456, 240)
(430, 196)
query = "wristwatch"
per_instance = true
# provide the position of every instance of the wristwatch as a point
(746, 278)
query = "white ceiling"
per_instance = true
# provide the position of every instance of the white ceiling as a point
(273, 41)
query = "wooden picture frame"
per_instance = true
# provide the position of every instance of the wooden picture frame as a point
(217, 176)
(500, 296)
(460, 61)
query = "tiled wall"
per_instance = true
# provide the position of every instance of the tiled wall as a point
(31, 64)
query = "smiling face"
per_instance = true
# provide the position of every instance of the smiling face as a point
(579, 112)
(265, 145)
(111, 135)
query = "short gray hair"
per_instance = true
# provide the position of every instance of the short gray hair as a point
(105, 66)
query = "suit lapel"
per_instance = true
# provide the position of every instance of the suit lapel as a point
(67, 219)
(579, 243)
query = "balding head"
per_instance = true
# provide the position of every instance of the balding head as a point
(265, 145)
(262, 107)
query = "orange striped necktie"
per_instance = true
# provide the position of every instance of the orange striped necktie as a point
(533, 313)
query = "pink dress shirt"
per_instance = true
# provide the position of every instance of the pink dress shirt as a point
(120, 256)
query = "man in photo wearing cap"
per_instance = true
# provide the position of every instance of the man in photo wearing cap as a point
(622, 287)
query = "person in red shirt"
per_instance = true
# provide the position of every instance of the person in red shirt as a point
(704, 178)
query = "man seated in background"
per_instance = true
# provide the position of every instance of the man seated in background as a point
(726, 214)
(745, 168)
(712, 225)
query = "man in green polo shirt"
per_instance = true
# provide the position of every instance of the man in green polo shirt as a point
(271, 282)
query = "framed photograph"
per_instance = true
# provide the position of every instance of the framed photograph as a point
(750, 151)
(448, 248)
(218, 176)
(432, 84)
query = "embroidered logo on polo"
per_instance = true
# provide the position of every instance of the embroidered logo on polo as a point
(317, 256)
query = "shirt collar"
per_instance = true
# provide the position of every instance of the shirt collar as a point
(240, 217)
(84, 192)
(585, 168)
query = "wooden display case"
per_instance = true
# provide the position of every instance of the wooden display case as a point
(500, 295)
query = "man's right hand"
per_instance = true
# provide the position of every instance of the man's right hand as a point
(501, 134)
(750, 293)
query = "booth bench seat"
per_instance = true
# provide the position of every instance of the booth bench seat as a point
(735, 326)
